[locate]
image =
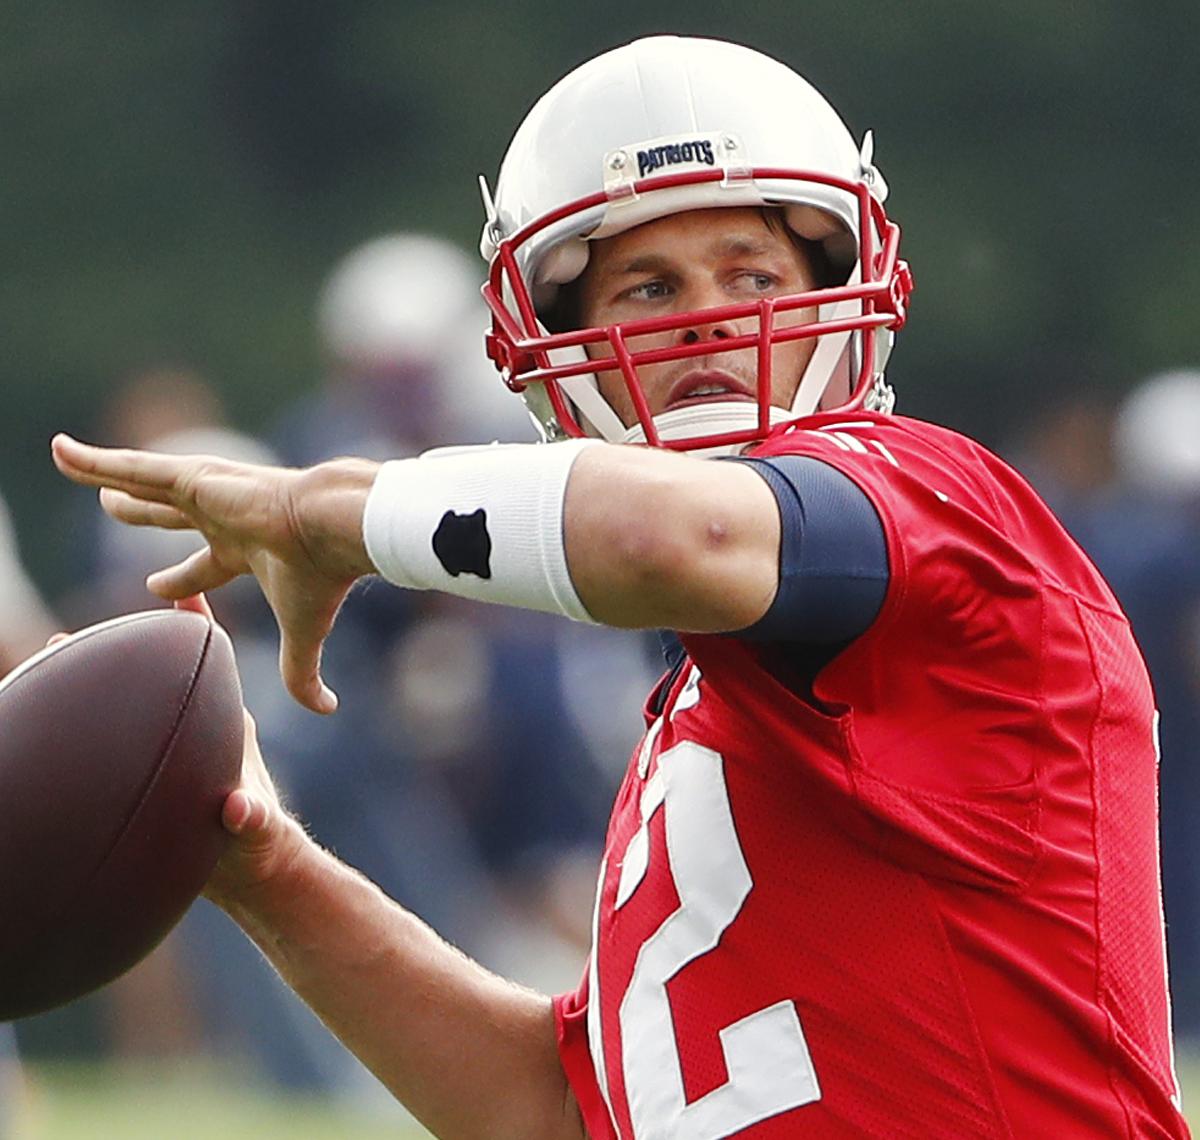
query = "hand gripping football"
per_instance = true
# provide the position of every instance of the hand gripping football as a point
(118, 747)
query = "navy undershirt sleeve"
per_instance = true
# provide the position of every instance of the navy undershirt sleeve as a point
(833, 564)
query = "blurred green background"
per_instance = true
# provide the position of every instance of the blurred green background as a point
(178, 178)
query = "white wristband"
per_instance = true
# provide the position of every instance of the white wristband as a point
(479, 522)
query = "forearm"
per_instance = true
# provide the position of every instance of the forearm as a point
(629, 537)
(469, 1054)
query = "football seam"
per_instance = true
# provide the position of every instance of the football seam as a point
(172, 736)
(36, 943)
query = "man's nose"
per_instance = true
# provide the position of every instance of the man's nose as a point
(701, 298)
(696, 333)
(700, 329)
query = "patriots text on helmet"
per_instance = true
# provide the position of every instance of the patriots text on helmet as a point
(671, 154)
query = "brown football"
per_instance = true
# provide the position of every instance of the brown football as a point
(118, 747)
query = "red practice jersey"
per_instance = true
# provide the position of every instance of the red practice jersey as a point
(916, 897)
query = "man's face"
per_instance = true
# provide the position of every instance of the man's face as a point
(693, 261)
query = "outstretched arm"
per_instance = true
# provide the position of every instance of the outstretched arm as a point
(638, 538)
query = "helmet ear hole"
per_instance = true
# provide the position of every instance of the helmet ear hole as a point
(812, 223)
(562, 264)
(842, 251)
(560, 307)
(819, 226)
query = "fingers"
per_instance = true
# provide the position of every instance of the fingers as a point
(144, 474)
(193, 575)
(125, 508)
(87, 463)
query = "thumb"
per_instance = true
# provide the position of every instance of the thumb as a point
(245, 816)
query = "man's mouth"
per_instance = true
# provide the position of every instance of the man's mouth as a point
(708, 386)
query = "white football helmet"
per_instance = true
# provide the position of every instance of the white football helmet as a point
(661, 126)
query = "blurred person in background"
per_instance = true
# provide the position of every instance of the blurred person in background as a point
(157, 400)
(466, 721)
(488, 710)
(399, 321)
(152, 401)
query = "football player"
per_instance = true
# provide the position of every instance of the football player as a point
(884, 862)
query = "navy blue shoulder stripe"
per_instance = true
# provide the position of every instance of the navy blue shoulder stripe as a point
(833, 564)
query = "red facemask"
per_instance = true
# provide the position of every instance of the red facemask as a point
(875, 297)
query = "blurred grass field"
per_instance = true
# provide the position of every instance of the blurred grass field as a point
(97, 1102)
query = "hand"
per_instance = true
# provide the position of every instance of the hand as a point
(265, 839)
(299, 532)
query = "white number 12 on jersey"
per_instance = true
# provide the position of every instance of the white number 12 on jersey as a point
(766, 1056)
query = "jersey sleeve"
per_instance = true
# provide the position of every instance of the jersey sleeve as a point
(574, 1051)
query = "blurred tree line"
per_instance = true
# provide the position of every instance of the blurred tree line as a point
(178, 178)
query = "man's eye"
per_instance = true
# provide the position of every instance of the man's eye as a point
(649, 290)
(759, 282)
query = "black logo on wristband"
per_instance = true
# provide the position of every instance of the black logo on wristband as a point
(462, 544)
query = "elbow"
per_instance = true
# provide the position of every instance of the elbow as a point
(663, 541)
(690, 571)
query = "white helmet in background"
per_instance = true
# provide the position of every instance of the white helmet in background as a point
(662, 126)
(398, 298)
(1157, 434)
(400, 317)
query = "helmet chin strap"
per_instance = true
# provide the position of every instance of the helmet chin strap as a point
(597, 415)
(707, 419)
